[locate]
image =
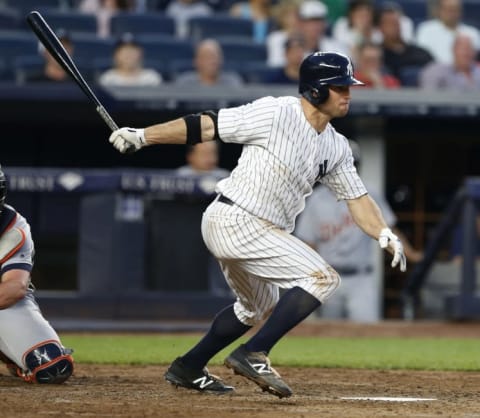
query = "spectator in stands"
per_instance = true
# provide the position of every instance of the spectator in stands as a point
(128, 67)
(462, 75)
(313, 25)
(285, 16)
(358, 26)
(398, 54)
(183, 10)
(370, 68)
(437, 35)
(295, 51)
(202, 159)
(104, 10)
(52, 71)
(257, 11)
(208, 63)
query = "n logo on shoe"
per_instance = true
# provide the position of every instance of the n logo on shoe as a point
(261, 368)
(203, 382)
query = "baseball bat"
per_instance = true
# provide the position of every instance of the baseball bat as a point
(53, 45)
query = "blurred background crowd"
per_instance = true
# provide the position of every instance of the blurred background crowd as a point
(405, 43)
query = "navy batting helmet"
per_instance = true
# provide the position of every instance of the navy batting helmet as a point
(3, 189)
(322, 69)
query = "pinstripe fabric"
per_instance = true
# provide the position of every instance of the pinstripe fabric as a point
(257, 258)
(283, 156)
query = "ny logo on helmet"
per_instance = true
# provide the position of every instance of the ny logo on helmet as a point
(350, 69)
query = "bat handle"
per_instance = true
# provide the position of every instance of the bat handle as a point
(107, 118)
(111, 124)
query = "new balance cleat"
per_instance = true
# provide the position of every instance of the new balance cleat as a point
(180, 375)
(256, 367)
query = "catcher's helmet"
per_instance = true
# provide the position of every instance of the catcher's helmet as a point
(321, 69)
(3, 189)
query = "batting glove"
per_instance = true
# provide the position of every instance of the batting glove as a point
(128, 139)
(388, 239)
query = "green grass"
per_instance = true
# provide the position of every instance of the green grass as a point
(369, 353)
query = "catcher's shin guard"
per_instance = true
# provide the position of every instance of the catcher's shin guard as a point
(48, 362)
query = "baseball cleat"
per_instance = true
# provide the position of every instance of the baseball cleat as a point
(256, 367)
(180, 375)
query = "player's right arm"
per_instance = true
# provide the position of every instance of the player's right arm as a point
(199, 128)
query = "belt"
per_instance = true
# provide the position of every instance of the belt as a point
(351, 271)
(225, 199)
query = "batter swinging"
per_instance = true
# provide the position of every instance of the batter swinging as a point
(288, 145)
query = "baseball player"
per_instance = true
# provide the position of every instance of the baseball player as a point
(29, 345)
(327, 226)
(288, 145)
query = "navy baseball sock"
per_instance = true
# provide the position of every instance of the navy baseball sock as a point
(293, 307)
(225, 329)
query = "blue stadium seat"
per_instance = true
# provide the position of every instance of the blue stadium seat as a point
(88, 47)
(238, 52)
(471, 12)
(24, 6)
(14, 44)
(26, 66)
(219, 25)
(72, 21)
(170, 51)
(257, 72)
(9, 19)
(139, 23)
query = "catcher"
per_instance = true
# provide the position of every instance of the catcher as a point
(29, 346)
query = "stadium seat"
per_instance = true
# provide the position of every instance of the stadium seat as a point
(24, 6)
(170, 51)
(238, 52)
(471, 12)
(73, 22)
(9, 19)
(26, 66)
(139, 23)
(219, 25)
(14, 44)
(88, 47)
(257, 72)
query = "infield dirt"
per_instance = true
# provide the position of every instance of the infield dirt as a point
(140, 391)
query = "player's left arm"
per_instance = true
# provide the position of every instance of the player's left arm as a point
(367, 215)
(189, 129)
(13, 287)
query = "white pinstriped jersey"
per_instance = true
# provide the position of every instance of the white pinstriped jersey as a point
(283, 156)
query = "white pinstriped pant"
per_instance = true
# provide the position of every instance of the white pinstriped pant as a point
(257, 258)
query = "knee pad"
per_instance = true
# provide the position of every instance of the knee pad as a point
(48, 362)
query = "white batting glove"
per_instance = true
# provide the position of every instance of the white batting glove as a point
(128, 139)
(388, 239)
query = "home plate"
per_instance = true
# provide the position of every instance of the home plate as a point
(386, 399)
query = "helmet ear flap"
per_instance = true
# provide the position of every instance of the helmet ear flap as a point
(317, 96)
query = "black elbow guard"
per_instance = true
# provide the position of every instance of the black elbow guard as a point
(194, 127)
(212, 114)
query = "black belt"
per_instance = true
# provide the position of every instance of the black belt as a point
(353, 271)
(225, 199)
